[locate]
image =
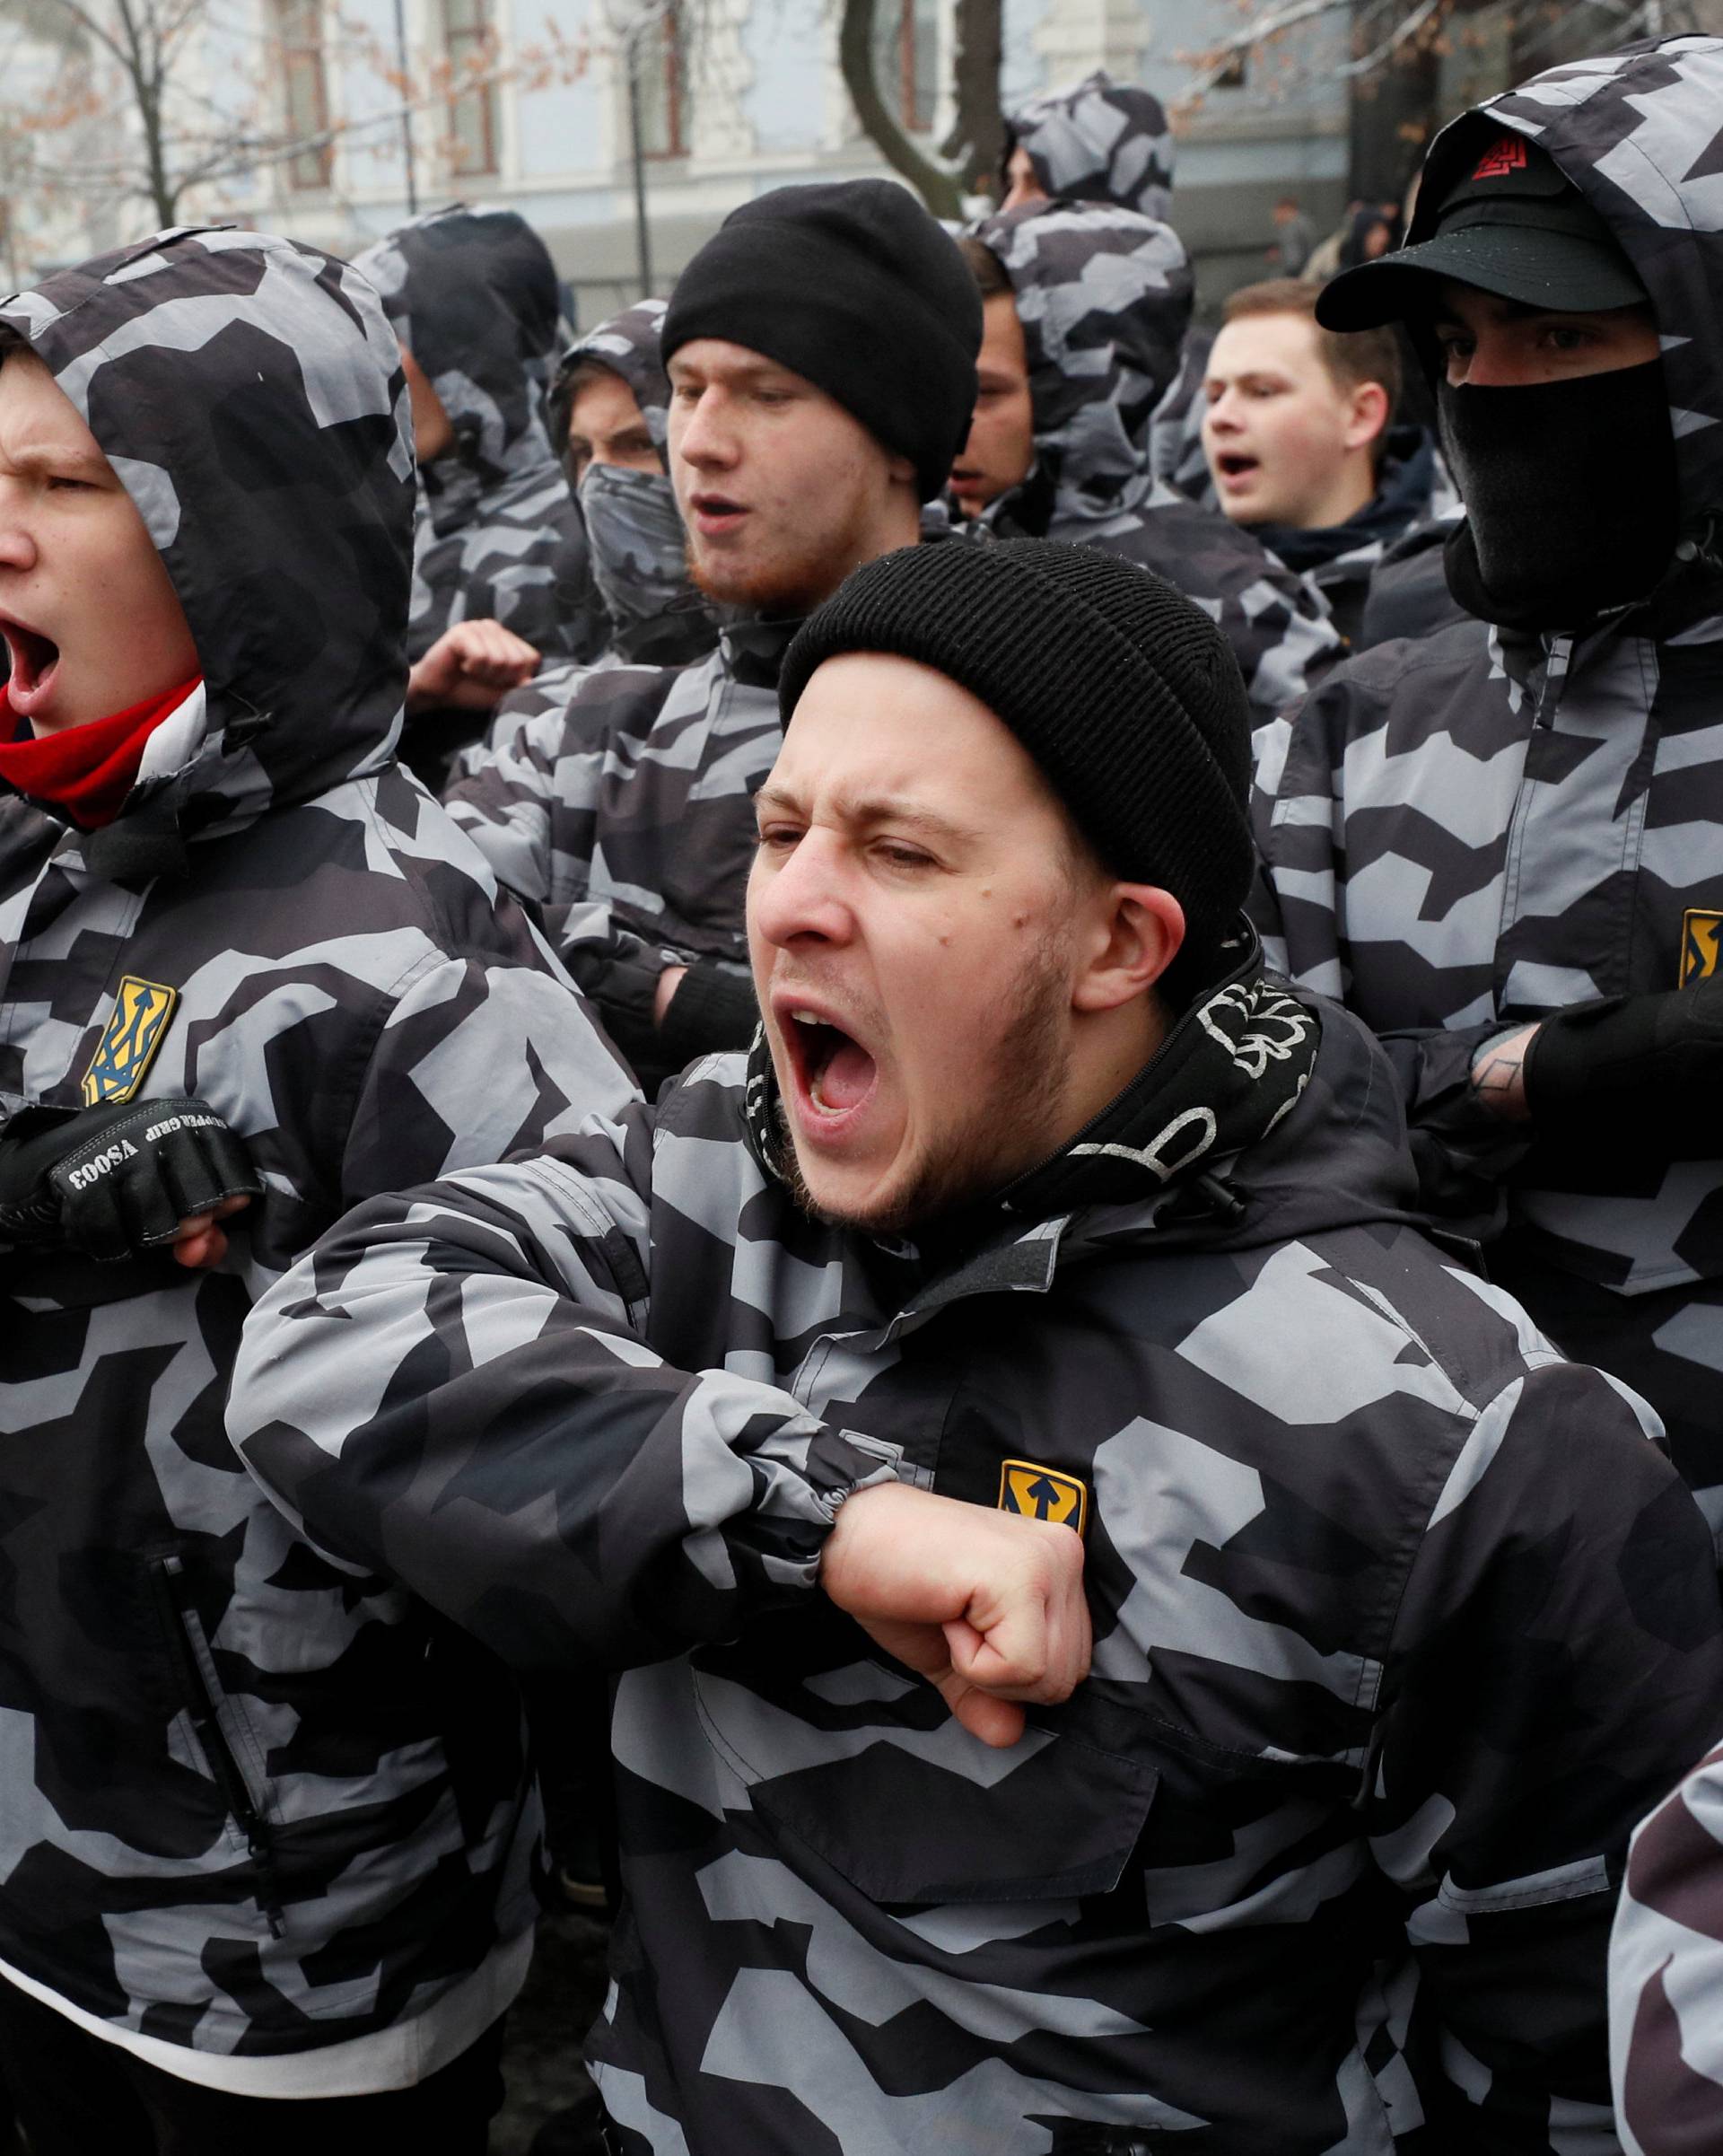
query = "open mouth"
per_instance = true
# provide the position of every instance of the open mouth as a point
(716, 512)
(34, 660)
(836, 1074)
(1234, 465)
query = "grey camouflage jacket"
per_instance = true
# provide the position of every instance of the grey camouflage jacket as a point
(1665, 1974)
(625, 816)
(1104, 297)
(1380, 1665)
(472, 294)
(251, 1805)
(1469, 831)
(1101, 141)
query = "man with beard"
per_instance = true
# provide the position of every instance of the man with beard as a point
(821, 350)
(1503, 846)
(1085, 306)
(1035, 1182)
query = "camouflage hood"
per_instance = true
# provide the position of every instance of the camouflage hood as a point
(1102, 142)
(628, 345)
(472, 294)
(248, 393)
(1639, 132)
(1104, 296)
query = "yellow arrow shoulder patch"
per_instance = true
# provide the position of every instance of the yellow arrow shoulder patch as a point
(1698, 935)
(141, 1015)
(1040, 1492)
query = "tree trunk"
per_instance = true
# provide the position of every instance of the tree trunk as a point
(936, 188)
(976, 142)
(1394, 115)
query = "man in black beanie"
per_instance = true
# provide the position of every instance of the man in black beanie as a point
(821, 355)
(1001, 1198)
(1503, 844)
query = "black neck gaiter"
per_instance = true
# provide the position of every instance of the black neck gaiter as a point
(1570, 496)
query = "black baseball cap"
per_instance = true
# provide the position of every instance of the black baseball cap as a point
(1513, 225)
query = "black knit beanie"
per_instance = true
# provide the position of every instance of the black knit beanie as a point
(1126, 696)
(853, 286)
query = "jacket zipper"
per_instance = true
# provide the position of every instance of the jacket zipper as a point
(167, 1576)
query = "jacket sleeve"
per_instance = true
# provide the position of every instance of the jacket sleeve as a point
(452, 1391)
(1665, 1974)
(1556, 1666)
(479, 1056)
(529, 799)
(1462, 1153)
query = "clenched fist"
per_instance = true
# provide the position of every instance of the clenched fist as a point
(470, 667)
(987, 1606)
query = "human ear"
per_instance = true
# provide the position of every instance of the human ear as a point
(1369, 414)
(1138, 935)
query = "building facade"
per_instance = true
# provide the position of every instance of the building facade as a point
(338, 118)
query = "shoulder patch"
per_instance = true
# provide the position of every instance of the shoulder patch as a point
(1039, 1493)
(141, 1014)
(1699, 948)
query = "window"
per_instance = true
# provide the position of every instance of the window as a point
(658, 56)
(472, 113)
(906, 59)
(305, 103)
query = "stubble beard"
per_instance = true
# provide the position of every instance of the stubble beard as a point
(790, 581)
(971, 1158)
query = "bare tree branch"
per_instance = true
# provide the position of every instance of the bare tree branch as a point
(938, 188)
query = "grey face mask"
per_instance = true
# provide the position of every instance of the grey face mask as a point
(639, 546)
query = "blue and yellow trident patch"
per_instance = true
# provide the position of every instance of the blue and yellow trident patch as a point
(142, 1010)
(1040, 1492)
(1699, 953)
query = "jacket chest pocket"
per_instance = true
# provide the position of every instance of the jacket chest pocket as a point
(869, 1773)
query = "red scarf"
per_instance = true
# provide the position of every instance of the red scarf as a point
(86, 770)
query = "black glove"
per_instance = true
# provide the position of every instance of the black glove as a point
(1635, 1076)
(115, 1181)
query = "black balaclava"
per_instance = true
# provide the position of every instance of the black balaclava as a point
(1571, 493)
(1570, 487)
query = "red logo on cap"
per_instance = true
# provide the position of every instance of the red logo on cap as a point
(1507, 155)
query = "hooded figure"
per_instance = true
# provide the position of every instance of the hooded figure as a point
(264, 1833)
(634, 529)
(1103, 299)
(1518, 822)
(472, 295)
(1102, 142)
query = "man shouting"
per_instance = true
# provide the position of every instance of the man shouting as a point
(1036, 1190)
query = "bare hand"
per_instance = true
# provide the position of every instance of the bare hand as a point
(669, 982)
(200, 1242)
(985, 1605)
(471, 667)
(1499, 1076)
